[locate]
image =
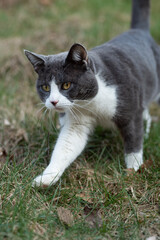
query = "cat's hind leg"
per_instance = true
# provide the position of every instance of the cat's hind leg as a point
(148, 119)
(132, 134)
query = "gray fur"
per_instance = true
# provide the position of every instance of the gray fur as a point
(130, 61)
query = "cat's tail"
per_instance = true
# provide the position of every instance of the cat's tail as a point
(140, 14)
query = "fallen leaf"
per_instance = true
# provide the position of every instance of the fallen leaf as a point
(92, 216)
(65, 216)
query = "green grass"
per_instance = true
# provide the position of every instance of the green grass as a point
(106, 202)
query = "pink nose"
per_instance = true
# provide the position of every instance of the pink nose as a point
(54, 102)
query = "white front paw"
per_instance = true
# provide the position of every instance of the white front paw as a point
(46, 179)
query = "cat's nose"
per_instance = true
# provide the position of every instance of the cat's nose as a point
(54, 102)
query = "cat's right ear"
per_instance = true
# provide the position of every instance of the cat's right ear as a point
(77, 54)
(38, 61)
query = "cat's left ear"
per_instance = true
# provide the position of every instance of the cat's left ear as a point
(38, 61)
(77, 54)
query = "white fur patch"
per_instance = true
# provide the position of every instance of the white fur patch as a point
(134, 160)
(105, 102)
(55, 96)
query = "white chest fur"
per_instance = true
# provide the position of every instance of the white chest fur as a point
(104, 103)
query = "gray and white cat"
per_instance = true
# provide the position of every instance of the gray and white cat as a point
(110, 85)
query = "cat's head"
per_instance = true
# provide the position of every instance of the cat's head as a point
(64, 79)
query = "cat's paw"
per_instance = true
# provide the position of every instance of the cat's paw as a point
(46, 179)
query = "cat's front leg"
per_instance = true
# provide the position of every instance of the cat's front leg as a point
(132, 134)
(71, 142)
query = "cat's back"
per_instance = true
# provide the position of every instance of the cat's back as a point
(134, 44)
(132, 58)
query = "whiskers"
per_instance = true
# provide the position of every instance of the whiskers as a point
(75, 115)
(79, 111)
(44, 113)
(40, 110)
(85, 108)
(81, 108)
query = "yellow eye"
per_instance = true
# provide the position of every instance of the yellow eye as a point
(65, 86)
(46, 88)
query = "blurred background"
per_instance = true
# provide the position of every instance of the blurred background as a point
(48, 27)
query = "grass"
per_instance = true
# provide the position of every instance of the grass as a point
(99, 199)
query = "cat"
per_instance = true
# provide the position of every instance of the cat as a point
(111, 85)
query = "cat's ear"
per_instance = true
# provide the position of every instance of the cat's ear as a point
(77, 54)
(38, 61)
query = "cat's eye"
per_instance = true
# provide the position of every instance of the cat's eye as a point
(46, 88)
(66, 85)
